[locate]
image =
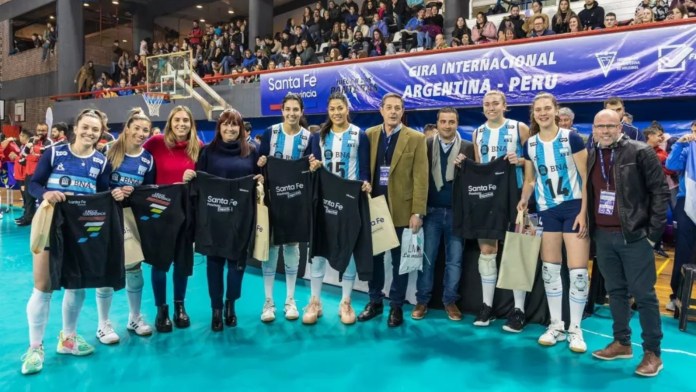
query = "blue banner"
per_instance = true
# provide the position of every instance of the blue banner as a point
(640, 64)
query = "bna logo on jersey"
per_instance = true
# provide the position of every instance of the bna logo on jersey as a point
(158, 204)
(93, 223)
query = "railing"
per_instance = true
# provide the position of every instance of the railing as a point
(559, 37)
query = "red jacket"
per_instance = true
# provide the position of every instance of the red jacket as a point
(171, 163)
(33, 157)
(662, 156)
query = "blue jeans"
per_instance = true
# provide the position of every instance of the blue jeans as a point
(436, 224)
(424, 40)
(215, 271)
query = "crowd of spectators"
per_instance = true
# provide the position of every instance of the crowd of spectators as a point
(349, 31)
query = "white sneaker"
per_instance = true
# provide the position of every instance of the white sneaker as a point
(139, 326)
(32, 361)
(291, 312)
(671, 306)
(106, 333)
(554, 334)
(575, 340)
(268, 313)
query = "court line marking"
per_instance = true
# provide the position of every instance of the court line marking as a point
(663, 266)
(665, 350)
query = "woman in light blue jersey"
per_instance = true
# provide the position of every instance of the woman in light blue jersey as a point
(556, 172)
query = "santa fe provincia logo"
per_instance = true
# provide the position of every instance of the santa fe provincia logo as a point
(606, 60)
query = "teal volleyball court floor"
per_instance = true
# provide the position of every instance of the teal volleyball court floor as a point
(433, 354)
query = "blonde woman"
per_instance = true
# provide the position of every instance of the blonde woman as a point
(175, 151)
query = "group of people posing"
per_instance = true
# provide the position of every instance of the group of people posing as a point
(613, 192)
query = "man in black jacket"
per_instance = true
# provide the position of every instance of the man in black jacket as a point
(592, 16)
(627, 199)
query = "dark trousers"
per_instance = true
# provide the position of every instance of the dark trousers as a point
(29, 201)
(629, 270)
(159, 286)
(686, 243)
(216, 287)
(397, 292)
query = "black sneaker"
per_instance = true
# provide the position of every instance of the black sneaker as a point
(661, 252)
(515, 321)
(485, 316)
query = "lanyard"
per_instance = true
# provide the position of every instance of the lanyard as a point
(611, 164)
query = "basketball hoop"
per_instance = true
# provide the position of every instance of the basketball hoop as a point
(154, 101)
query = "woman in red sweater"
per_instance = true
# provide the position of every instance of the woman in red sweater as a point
(174, 152)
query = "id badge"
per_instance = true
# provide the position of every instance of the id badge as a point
(606, 202)
(383, 175)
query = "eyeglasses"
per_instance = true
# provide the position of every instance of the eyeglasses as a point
(608, 127)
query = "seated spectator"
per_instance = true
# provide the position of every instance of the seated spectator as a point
(384, 11)
(661, 11)
(333, 56)
(298, 61)
(644, 4)
(262, 58)
(401, 12)
(513, 21)
(359, 44)
(483, 31)
(433, 24)
(562, 17)
(460, 28)
(98, 90)
(539, 28)
(351, 17)
(440, 42)
(379, 24)
(574, 24)
(508, 35)
(335, 43)
(345, 35)
(334, 11)
(314, 29)
(368, 10)
(307, 53)
(455, 43)
(249, 59)
(679, 12)
(362, 27)
(272, 65)
(537, 8)
(592, 15)
(690, 7)
(609, 21)
(124, 91)
(378, 46)
(414, 26)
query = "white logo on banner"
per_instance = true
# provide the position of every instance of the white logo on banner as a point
(605, 61)
(672, 58)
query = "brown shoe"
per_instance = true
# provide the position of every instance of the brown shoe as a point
(613, 351)
(453, 312)
(419, 312)
(650, 366)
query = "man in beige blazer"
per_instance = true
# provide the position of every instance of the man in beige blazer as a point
(399, 170)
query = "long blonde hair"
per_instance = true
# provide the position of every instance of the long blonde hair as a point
(194, 146)
(117, 151)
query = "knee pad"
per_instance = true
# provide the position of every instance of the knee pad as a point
(486, 265)
(104, 292)
(291, 255)
(318, 267)
(551, 273)
(579, 284)
(134, 280)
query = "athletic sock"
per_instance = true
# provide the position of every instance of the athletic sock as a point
(72, 304)
(489, 277)
(134, 287)
(104, 297)
(37, 316)
(520, 296)
(579, 284)
(553, 285)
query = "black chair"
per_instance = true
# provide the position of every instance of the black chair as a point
(684, 298)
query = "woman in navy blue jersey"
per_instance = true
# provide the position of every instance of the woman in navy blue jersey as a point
(229, 156)
(131, 166)
(76, 168)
